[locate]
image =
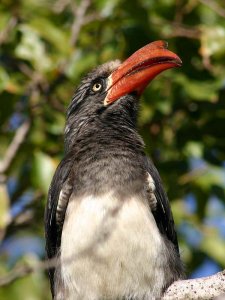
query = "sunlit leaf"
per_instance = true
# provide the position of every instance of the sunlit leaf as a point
(32, 49)
(213, 245)
(212, 40)
(4, 209)
(44, 167)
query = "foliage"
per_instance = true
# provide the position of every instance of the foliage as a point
(45, 48)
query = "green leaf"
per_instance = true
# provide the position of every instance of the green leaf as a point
(32, 49)
(199, 90)
(194, 149)
(4, 208)
(57, 36)
(212, 40)
(210, 176)
(4, 79)
(214, 246)
(44, 168)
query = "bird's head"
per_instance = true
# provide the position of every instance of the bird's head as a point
(110, 91)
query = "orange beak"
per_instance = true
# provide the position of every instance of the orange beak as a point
(135, 73)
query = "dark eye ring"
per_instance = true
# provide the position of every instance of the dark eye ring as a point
(96, 87)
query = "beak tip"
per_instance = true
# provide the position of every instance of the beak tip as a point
(179, 62)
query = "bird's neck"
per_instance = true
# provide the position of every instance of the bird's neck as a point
(108, 140)
(114, 127)
(108, 156)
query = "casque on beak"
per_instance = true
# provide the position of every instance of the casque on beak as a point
(135, 73)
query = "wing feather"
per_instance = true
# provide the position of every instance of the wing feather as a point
(162, 213)
(58, 198)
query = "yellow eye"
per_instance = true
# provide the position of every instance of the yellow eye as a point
(97, 87)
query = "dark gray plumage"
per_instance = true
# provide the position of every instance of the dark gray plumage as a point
(105, 163)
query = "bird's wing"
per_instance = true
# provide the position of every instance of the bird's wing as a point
(58, 198)
(159, 204)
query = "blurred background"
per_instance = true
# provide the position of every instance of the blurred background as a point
(45, 48)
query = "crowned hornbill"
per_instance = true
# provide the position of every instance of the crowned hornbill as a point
(108, 219)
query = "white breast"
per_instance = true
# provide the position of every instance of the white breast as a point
(111, 248)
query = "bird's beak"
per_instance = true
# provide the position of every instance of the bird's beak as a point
(135, 73)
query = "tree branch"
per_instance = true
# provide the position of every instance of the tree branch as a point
(5, 32)
(184, 31)
(11, 152)
(201, 288)
(79, 16)
(60, 5)
(215, 7)
(16, 273)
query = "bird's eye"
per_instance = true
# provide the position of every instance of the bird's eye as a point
(96, 87)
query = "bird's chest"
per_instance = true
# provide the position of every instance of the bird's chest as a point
(111, 248)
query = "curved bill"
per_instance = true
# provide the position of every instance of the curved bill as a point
(135, 73)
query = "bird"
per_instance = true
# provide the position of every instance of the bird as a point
(108, 220)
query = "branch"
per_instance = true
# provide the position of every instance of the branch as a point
(5, 33)
(184, 31)
(5, 163)
(214, 6)
(193, 174)
(201, 288)
(24, 270)
(60, 5)
(16, 273)
(92, 17)
(13, 148)
(79, 18)
(26, 214)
